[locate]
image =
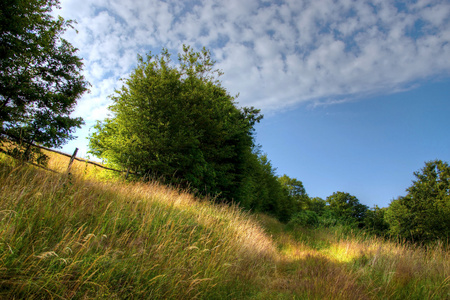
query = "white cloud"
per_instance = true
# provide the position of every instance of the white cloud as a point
(275, 54)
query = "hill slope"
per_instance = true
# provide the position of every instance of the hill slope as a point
(78, 237)
(67, 237)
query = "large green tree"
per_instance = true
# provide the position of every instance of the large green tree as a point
(177, 123)
(40, 79)
(424, 213)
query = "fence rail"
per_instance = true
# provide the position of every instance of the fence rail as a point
(72, 157)
(82, 159)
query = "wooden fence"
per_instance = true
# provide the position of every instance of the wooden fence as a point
(72, 158)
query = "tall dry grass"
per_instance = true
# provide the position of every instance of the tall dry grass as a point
(64, 236)
(331, 263)
(396, 270)
(92, 235)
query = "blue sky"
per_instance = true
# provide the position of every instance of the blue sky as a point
(368, 148)
(355, 93)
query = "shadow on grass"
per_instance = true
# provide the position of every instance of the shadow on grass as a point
(313, 276)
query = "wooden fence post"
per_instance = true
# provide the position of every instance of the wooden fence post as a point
(128, 168)
(71, 159)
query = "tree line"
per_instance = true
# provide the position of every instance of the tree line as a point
(175, 122)
(422, 216)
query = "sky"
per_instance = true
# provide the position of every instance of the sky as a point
(355, 94)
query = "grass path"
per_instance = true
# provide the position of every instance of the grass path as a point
(334, 264)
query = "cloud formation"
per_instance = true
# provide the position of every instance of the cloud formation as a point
(276, 54)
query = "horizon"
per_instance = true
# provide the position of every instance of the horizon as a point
(355, 94)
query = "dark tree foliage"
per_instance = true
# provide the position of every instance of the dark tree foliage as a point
(265, 193)
(375, 221)
(398, 218)
(304, 218)
(347, 207)
(317, 205)
(40, 78)
(423, 215)
(178, 124)
(295, 189)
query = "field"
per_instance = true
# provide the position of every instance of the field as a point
(92, 235)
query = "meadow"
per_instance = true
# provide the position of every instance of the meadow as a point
(92, 235)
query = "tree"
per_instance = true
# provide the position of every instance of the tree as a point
(398, 218)
(318, 205)
(261, 189)
(40, 78)
(304, 218)
(296, 191)
(375, 221)
(423, 215)
(347, 207)
(177, 123)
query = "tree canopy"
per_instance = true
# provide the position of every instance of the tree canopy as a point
(177, 123)
(347, 207)
(375, 221)
(40, 75)
(424, 213)
(296, 191)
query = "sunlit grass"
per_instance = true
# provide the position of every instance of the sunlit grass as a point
(62, 236)
(325, 263)
(90, 234)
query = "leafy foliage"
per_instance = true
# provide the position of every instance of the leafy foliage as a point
(318, 205)
(40, 78)
(424, 213)
(296, 191)
(178, 124)
(347, 207)
(264, 191)
(329, 218)
(375, 221)
(305, 218)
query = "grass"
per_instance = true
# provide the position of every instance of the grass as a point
(331, 263)
(91, 235)
(68, 237)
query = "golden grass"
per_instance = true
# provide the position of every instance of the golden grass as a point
(93, 235)
(70, 237)
(326, 264)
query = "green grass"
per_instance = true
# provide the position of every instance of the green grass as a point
(91, 235)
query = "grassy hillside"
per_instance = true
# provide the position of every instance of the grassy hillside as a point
(90, 235)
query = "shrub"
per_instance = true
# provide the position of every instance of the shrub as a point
(305, 218)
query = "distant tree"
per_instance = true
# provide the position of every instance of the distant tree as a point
(264, 192)
(177, 123)
(304, 218)
(317, 205)
(267, 192)
(347, 207)
(296, 191)
(329, 218)
(398, 218)
(40, 75)
(375, 221)
(424, 213)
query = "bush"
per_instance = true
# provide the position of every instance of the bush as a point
(375, 221)
(329, 219)
(305, 218)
